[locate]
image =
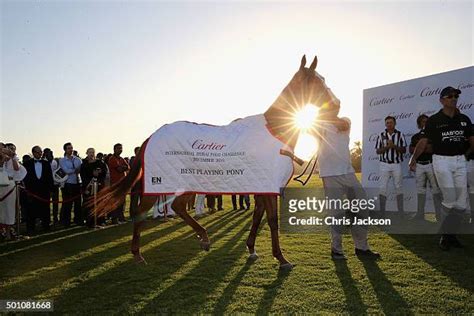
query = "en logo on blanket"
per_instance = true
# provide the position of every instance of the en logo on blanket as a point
(242, 157)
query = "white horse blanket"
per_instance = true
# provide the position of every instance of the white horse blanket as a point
(240, 158)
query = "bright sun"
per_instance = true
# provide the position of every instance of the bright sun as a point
(306, 145)
(304, 119)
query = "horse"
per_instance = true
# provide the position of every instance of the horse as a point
(307, 87)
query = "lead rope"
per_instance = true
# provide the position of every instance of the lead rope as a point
(297, 178)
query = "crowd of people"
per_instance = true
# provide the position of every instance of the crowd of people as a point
(41, 177)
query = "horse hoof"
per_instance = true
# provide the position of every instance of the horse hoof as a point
(253, 256)
(286, 266)
(139, 259)
(205, 245)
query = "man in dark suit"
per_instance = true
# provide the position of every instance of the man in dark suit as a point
(38, 183)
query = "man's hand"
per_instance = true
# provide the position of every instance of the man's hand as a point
(8, 152)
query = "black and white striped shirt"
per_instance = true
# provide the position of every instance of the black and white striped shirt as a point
(391, 155)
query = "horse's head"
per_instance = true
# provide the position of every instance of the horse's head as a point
(308, 87)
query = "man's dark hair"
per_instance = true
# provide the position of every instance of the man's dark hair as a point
(116, 145)
(33, 148)
(65, 145)
(418, 120)
(391, 118)
(136, 148)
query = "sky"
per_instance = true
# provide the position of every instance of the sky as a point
(96, 73)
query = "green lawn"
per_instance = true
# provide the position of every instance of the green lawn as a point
(88, 272)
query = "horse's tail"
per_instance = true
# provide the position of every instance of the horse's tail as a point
(110, 198)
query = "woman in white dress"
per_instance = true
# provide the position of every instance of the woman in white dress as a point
(11, 171)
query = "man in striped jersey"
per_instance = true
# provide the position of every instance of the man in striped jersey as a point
(390, 146)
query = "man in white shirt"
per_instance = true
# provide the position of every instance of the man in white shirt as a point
(72, 188)
(48, 156)
(338, 176)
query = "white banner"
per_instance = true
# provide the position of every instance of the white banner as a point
(242, 157)
(406, 101)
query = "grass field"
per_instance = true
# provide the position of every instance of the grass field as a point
(92, 272)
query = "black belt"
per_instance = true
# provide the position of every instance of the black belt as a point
(423, 162)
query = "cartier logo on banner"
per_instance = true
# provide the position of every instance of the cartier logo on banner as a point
(465, 106)
(404, 97)
(373, 177)
(373, 137)
(380, 101)
(465, 86)
(402, 115)
(427, 91)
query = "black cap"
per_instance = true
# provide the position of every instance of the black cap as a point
(449, 90)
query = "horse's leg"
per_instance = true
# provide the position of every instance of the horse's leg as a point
(272, 218)
(257, 219)
(146, 202)
(179, 206)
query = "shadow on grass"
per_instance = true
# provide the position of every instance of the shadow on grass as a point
(390, 300)
(11, 247)
(271, 291)
(455, 264)
(54, 249)
(65, 234)
(231, 288)
(354, 303)
(203, 279)
(124, 285)
(45, 280)
(50, 253)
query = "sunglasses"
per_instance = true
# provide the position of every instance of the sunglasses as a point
(452, 96)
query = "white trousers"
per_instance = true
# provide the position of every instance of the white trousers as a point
(470, 176)
(390, 171)
(200, 204)
(334, 188)
(164, 204)
(451, 174)
(7, 206)
(424, 176)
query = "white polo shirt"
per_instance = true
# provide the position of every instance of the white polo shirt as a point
(334, 157)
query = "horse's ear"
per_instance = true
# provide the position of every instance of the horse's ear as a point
(314, 63)
(303, 62)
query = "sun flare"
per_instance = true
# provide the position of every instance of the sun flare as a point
(306, 146)
(304, 119)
